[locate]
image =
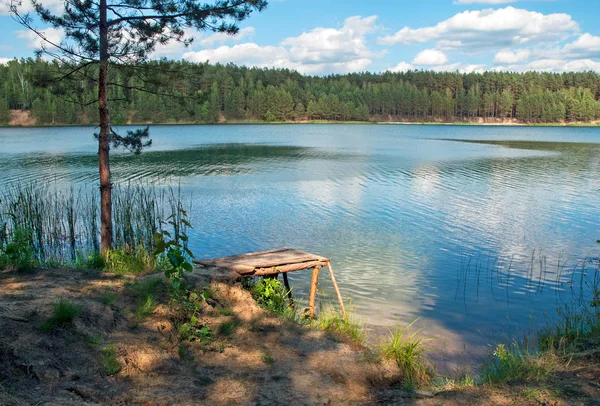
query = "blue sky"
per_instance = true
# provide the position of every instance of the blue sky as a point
(334, 36)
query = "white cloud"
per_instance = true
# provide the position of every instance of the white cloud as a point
(5, 61)
(322, 50)
(586, 45)
(483, 1)
(430, 57)
(402, 67)
(221, 37)
(506, 56)
(174, 49)
(25, 6)
(553, 65)
(489, 28)
(452, 67)
(53, 35)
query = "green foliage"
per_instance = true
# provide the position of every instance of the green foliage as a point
(408, 350)
(192, 330)
(64, 312)
(18, 254)
(129, 262)
(239, 93)
(271, 294)
(173, 247)
(514, 363)
(108, 360)
(90, 261)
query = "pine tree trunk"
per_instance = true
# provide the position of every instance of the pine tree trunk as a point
(106, 231)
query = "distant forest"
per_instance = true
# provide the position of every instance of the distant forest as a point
(182, 92)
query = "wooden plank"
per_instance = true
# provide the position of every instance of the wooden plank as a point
(281, 269)
(244, 263)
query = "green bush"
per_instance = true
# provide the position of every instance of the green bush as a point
(18, 254)
(271, 294)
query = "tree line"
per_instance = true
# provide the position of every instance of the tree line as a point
(183, 92)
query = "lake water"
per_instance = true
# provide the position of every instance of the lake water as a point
(475, 231)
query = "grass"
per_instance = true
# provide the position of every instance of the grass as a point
(108, 360)
(267, 358)
(147, 293)
(107, 298)
(130, 262)
(517, 364)
(333, 322)
(408, 350)
(227, 328)
(62, 316)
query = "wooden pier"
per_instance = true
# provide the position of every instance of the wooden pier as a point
(275, 262)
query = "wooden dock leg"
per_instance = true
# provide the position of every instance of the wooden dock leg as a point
(337, 289)
(288, 290)
(313, 291)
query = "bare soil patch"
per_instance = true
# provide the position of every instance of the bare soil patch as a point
(265, 360)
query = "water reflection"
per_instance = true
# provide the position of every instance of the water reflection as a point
(473, 230)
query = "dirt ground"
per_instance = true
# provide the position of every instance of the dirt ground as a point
(265, 361)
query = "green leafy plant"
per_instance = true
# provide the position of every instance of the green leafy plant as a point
(192, 330)
(64, 312)
(127, 261)
(173, 247)
(270, 293)
(18, 253)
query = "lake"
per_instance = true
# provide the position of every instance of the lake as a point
(478, 232)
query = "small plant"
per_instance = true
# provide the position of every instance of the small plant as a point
(271, 294)
(108, 360)
(147, 292)
(514, 363)
(267, 358)
(408, 350)
(18, 254)
(226, 311)
(90, 261)
(194, 331)
(227, 327)
(174, 247)
(63, 315)
(107, 298)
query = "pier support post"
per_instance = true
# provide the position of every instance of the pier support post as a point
(337, 289)
(313, 291)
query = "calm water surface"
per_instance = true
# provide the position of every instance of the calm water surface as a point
(476, 231)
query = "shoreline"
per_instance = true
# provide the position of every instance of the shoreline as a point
(324, 122)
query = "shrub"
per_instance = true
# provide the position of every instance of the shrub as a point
(18, 254)
(270, 293)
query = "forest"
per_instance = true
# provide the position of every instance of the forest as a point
(182, 92)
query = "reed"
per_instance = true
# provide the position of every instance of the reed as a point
(63, 226)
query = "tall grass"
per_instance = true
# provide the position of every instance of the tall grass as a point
(63, 226)
(409, 351)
